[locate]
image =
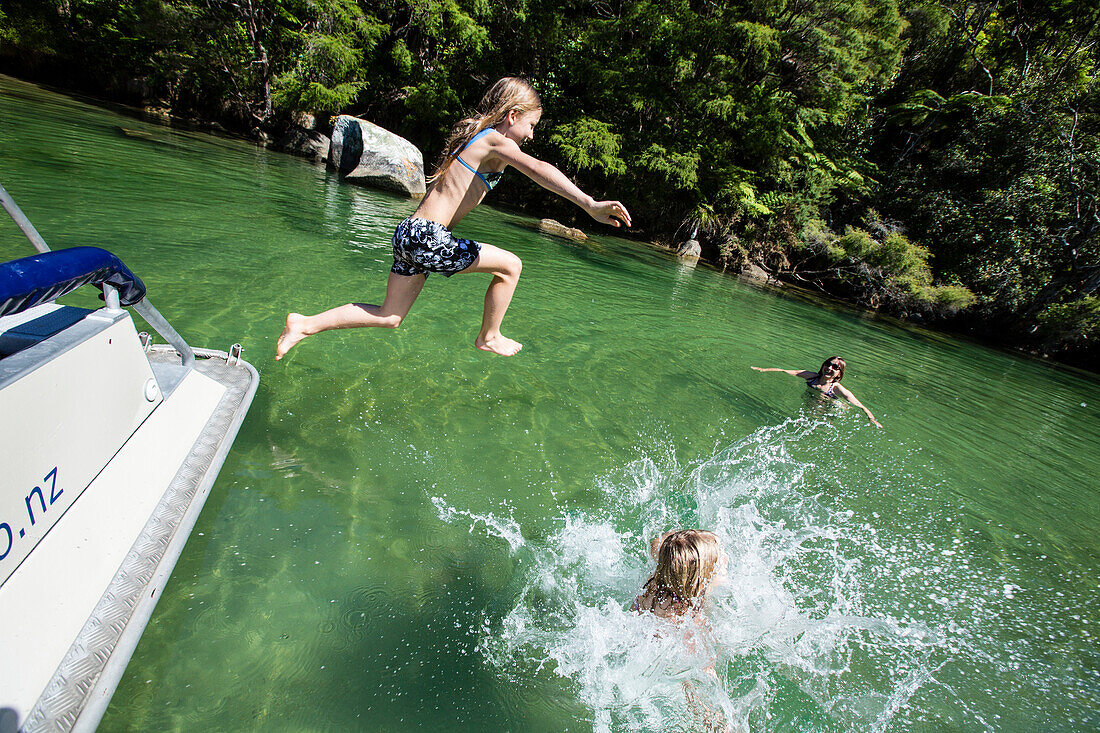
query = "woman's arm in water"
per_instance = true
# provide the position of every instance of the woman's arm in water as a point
(552, 179)
(800, 373)
(847, 394)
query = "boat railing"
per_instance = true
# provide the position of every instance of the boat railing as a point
(22, 221)
(110, 292)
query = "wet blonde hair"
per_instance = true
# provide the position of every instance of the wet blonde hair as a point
(686, 560)
(510, 93)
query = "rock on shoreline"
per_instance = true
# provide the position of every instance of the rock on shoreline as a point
(304, 143)
(690, 250)
(366, 154)
(549, 226)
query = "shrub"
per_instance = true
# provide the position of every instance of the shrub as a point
(886, 270)
(1076, 320)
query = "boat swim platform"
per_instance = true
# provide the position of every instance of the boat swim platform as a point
(181, 445)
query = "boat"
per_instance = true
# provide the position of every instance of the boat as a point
(110, 444)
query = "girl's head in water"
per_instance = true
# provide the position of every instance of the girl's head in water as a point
(832, 370)
(508, 95)
(689, 563)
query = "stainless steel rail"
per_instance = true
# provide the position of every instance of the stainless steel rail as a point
(22, 221)
(151, 315)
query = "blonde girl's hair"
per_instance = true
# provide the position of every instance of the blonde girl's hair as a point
(510, 93)
(686, 560)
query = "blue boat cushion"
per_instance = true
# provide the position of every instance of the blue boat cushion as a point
(41, 278)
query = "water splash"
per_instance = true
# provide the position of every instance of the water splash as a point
(791, 633)
(505, 529)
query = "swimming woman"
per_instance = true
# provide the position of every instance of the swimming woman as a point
(476, 154)
(827, 381)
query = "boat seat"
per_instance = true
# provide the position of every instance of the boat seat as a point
(27, 333)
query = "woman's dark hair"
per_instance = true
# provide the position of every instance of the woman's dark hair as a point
(835, 361)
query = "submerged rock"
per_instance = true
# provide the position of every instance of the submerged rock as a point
(368, 155)
(549, 226)
(137, 134)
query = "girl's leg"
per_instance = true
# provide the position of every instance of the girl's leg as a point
(401, 291)
(505, 268)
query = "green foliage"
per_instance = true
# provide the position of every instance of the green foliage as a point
(589, 145)
(990, 145)
(328, 74)
(746, 201)
(679, 170)
(402, 58)
(886, 271)
(893, 258)
(974, 125)
(1074, 320)
(452, 22)
(950, 299)
(856, 244)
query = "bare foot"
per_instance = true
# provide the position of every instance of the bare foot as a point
(499, 345)
(293, 332)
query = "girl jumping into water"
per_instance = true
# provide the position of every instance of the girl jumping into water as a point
(477, 152)
(827, 381)
(690, 563)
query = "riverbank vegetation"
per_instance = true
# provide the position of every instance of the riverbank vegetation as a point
(937, 159)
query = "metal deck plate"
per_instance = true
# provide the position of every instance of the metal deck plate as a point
(78, 694)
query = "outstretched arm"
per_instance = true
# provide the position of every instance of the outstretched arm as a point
(552, 179)
(800, 373)
(655, 544)
(847, 394)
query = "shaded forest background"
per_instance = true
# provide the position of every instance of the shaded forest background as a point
(935, 159)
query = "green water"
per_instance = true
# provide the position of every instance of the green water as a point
(410, 534)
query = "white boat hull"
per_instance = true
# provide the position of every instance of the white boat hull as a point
(133, 464)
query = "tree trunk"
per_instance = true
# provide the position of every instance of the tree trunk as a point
(252, 23)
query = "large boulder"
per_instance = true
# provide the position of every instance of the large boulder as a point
(549, 226)
(690, 250)
(366, 154)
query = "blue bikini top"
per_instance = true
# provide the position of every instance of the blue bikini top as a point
(489, 179)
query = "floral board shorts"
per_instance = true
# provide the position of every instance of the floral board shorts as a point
(421, 246)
